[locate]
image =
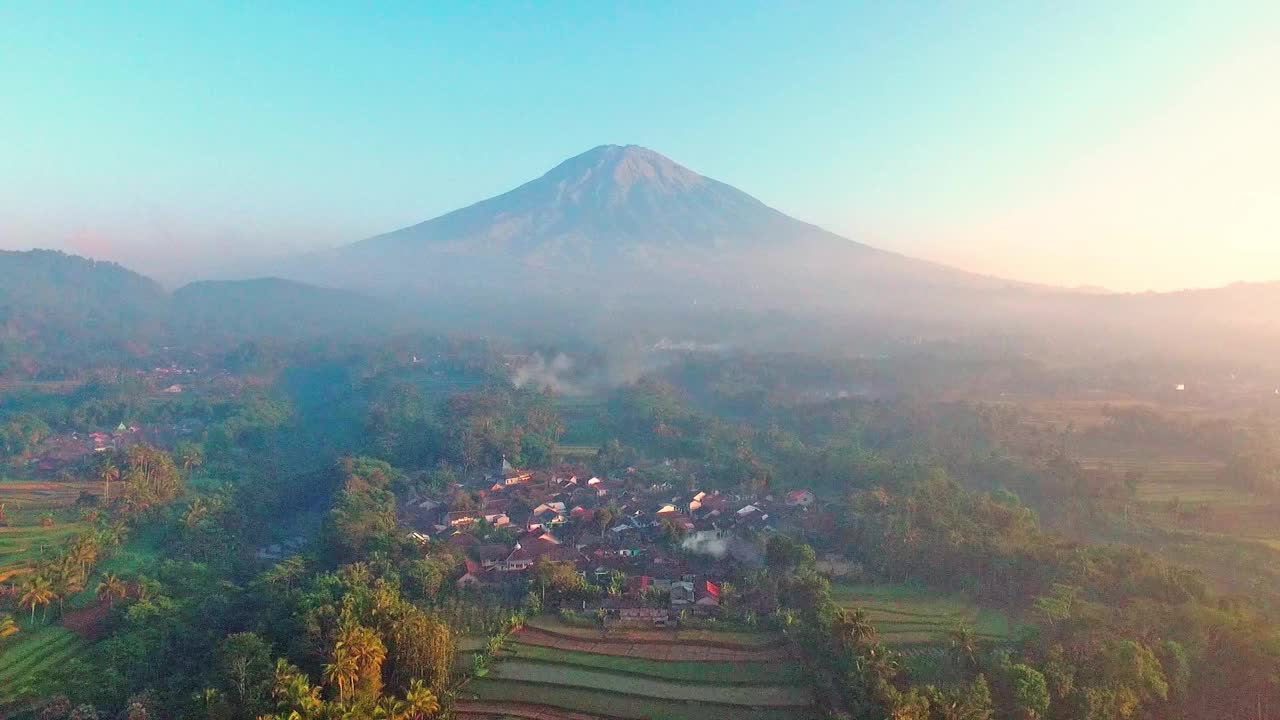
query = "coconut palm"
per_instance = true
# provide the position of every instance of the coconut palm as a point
(189, 456)
(197, 511)
(108, 471)
(342, 673)
(855, 625)
(962, 644)
(111, 589)
(38, 593)
(286, 572)
(64, 578)
(293, 691)
(83, 552)
(358, 654)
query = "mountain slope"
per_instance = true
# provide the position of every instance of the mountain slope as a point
(609, 202)
(624, 224)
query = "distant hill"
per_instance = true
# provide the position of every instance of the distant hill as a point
(64, 306)
(60, 311)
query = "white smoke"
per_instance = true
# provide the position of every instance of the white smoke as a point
(706, 542)
(553, 375)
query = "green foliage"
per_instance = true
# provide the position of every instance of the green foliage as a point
(150, 478)
(363, 519)
(1029, 692)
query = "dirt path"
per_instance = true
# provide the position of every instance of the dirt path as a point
(667, 651)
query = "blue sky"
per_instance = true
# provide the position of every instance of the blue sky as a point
(166, 135)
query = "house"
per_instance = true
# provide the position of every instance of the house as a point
(800, 498)
(472, 577)
(695, 503)
(531, 548)
(638, 585)
(498, 520)
(627, 614)
(708, 594)
(489, 556)
(462, 518)
(751, 516)
(682, 594)
(508, 475)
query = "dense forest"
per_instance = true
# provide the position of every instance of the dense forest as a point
(363, 620)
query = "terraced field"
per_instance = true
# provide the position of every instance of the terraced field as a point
(907, 617)
(1162, 472)
(549, 670)
(19, 546)
(781, 672)
(25, 537)
(26, 657)
(583, 429)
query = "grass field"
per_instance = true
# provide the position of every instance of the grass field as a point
(582, 416)
(645, 674)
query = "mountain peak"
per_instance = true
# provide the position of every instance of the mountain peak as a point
(622, 167)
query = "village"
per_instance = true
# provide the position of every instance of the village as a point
(659, 555)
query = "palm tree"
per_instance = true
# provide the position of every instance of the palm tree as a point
(39, 592)
(111, 589)
(962, 644)
(8, 627)
(108, 471)
(358, 654)
(292, 690)
(196, 511)
(189, 455)
(83, 552)
(64, 579)
(342, 673)
(855, 625)
(422, 702)
(286, 572)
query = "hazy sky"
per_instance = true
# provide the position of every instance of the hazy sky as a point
(1128, 144)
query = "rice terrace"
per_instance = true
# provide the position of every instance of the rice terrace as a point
(550, 669)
